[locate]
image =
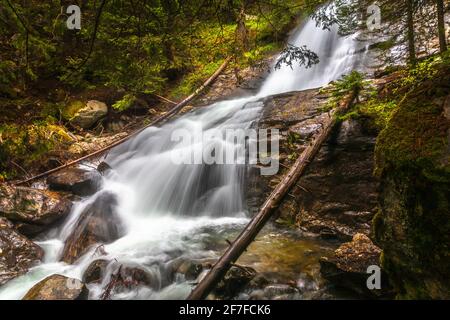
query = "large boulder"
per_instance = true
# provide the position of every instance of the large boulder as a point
(339, 195)
(348, 267)
(88, 115)
(234, 281)
(58, 287)
(78, 181)
(413, 223)
(97, 224)
(17, 253)
(95, 272)
(34, 210)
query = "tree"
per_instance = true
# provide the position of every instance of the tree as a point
(410, 32)
(441, 25)
(351, 16)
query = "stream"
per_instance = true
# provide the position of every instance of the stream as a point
(170, 212)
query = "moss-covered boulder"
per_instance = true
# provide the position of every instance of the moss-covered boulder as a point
(84, 115)
(413, 224)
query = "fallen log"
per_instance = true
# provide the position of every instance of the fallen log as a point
(234, 251)
(166, 116)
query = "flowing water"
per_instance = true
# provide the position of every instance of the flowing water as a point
(169, 211)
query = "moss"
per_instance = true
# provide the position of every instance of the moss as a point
(29, 145)
(69, 111)
(411, 156)
(415, 136)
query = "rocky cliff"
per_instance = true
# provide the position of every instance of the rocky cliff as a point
(413, 161)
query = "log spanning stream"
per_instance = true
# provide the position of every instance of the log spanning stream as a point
(168, 212)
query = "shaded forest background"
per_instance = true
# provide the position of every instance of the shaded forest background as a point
(129, 49)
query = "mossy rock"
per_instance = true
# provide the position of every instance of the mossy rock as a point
(85, 115)
(413, 224)
(58, 287)
(70, 110)
(415, 135)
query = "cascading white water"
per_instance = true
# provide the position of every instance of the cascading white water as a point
(171, 211)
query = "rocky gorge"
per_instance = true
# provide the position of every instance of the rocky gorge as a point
(375, 195)
(298, 116)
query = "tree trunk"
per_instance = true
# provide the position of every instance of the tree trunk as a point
(410, 28)
(441, 25)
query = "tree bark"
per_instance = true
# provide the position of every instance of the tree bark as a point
(250, 232)
(441, 25)
(410, 31)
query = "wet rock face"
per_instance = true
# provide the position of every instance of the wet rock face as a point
(188, 268)
(337, 195)
(229, 84)
(78, 181)
(340, 194)
(291, 111)
(347, 268)
(33, 209)
(234, 280)
(299, 117)
(413, 228)
(97, 224)
(58, 287)
(17, 253)
(95, 271)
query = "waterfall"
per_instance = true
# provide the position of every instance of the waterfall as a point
(171, 211)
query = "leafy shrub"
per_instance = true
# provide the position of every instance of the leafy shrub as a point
(125, 103)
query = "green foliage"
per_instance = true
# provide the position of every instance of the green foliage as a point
(351, 83)
(379, 111)
(297, 55)
(27, 145)
(125, 103)
(140, 47)
(411, 78)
